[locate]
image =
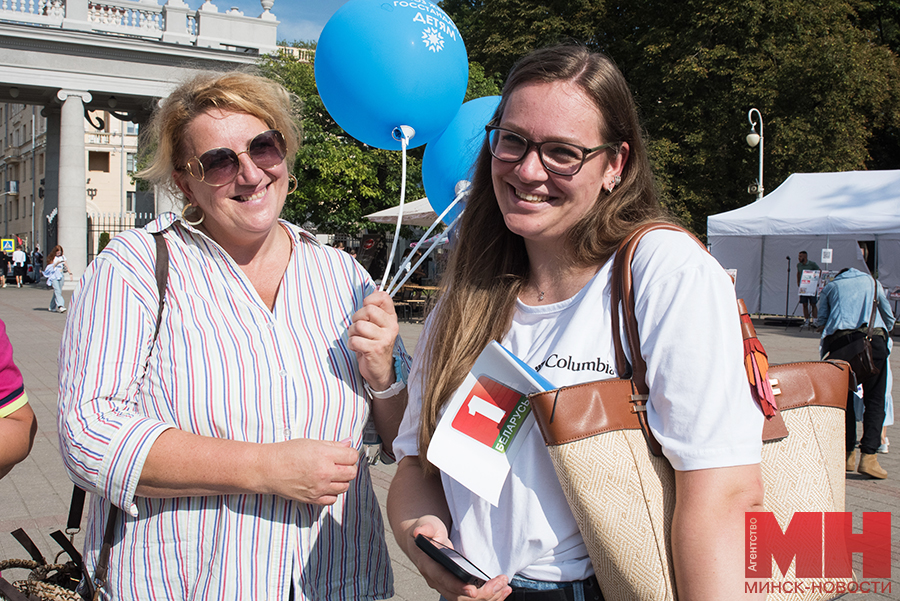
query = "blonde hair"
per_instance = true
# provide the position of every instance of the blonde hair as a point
(233, 91)
(490, 264)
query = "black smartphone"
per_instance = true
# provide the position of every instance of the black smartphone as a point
(453, 561)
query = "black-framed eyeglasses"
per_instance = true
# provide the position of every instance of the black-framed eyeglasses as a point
(560, 158)
(220, 166)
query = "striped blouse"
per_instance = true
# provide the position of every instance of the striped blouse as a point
(224, 366)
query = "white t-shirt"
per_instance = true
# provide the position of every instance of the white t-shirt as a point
(700, 406)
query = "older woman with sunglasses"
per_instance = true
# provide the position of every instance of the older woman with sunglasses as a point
(562, 178)
(231, 438)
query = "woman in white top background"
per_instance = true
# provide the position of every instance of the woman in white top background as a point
(55, 272)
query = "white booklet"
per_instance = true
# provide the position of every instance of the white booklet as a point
(484, 424)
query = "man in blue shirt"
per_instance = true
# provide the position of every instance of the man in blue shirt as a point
(844, 310)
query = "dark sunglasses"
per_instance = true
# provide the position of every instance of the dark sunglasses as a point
(220, 166)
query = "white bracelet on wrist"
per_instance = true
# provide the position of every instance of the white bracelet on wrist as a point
(393, 390)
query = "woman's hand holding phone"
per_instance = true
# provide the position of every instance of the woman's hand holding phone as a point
(453, 561)
(441, 578)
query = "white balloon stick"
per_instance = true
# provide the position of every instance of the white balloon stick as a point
(403, 133)
(434, 244)
(462, 188)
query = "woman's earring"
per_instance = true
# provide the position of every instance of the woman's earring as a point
(188, 221)
(294, 183)
(615, 182)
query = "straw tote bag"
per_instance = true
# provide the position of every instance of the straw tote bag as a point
(620, 487)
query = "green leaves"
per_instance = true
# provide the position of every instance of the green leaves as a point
(824, 74)
(339, 179)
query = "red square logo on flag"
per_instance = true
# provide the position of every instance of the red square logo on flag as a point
(485, 410)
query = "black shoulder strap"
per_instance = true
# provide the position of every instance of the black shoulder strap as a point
(162, 275)
(874, 308)
(76, 508)
(29, 545)
(12, 593)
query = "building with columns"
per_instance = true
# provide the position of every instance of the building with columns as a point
(110, 147)
(22, 166)
(71, 61)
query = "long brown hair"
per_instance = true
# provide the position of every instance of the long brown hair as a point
(57, 250)
(489, 264)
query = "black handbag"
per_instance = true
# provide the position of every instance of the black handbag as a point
(859, 352)
(46, 581)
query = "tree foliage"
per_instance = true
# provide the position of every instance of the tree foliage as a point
(339, 178)
(497, 32)
(822, 73)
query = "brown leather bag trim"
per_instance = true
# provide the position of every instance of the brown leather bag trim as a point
(577, 412)
(593, 408)
(580, 411)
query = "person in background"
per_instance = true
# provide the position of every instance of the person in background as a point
(844, 309)
(17, 422)
(232, 440)
(562, 178)
(807, 300)
(4, 267)
(19, 259)
(55, 274)
(37, 262)
(418, 276)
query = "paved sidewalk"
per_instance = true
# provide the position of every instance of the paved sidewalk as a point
(35, 495)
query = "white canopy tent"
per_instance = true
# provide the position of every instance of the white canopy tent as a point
(811, 212)
(418, 213)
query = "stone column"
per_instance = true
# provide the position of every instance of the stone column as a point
(50, 215)
(72, 228)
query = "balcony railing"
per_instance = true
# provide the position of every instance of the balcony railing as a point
(98, 138)
(306, 55)
(173, 22)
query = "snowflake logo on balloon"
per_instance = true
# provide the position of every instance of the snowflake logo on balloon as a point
(433, 39)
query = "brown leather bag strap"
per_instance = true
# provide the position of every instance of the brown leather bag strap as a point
(622, 293)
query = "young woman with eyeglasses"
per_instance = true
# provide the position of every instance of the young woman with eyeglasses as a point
(232, 440)
(562, 178)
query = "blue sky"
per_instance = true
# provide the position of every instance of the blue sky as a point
(299, 19)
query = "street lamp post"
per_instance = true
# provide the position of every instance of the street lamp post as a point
(753, 139)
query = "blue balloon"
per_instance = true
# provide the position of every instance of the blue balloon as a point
(382, 64)
(451, 157)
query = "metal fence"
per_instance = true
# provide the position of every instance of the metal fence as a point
(111, 224)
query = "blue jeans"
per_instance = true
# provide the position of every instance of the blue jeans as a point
(57, 301)
(541, 585)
